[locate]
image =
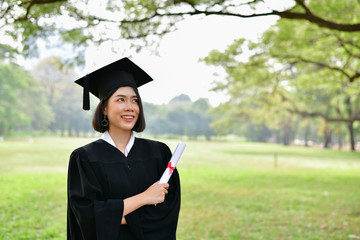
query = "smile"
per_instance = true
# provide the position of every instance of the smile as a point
(127, 117)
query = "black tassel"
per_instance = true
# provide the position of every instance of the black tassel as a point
(86, 97)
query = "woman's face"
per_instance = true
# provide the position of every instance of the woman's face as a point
(122, 109)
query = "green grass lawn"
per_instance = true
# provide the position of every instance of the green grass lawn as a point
(230, 190)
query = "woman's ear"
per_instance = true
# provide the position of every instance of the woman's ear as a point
(104, 110)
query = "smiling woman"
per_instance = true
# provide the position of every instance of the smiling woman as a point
(119, 107)
(113, 188)
(122, 110)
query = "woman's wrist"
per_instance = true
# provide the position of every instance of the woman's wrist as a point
(142, 199)
(133, 203)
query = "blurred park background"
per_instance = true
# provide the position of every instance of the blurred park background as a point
(266, 94)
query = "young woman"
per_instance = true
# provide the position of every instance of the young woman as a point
(113, 189)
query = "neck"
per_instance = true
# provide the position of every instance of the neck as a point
(120, 138)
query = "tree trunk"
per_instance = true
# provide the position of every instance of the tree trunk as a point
(286, 135)
(327, 137)
(2, 129)
(70, 133)
(340, 138)
(352, 135)
(208, 137)
(306, 137)
(350, 124)
(277, 137)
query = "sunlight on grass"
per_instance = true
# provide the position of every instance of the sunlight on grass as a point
(230, 190)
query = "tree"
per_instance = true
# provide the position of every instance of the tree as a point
(6, 54)
(311, 73)
(82, 22)
(69, 118)
(180, 117)
(200, 119)
(326, 65)
(63, 95)
(23, 103)
(155, 116)
(182, 101)
(52, 73)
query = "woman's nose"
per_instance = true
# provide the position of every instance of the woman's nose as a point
(129, 105)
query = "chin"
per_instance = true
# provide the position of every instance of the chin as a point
(130, 128)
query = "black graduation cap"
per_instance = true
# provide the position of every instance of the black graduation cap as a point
(106, 79)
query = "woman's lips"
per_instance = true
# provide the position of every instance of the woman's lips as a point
(128, 118)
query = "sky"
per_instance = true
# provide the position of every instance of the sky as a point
(176, 69)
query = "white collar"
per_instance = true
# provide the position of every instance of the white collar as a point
(107, 138)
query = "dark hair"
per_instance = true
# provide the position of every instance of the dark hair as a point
(99, 116)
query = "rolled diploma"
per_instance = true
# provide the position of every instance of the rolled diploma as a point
(173, 161)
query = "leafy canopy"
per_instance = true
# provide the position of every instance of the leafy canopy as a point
(84, 22)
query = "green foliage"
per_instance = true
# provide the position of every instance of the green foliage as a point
(331, 9)
(53, 102)
(63, 96)
(181, 117)
(83, 22)
(309, 72)
(7, 53)
(45, 100)
(23, 104)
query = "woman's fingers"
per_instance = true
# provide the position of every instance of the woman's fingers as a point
(156, 192)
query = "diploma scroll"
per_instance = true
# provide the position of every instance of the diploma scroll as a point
(172, 163)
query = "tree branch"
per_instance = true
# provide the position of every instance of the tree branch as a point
(351, 78)
(308, 15)
(343, 44)
(303, 5)
(325, 65)
(295, 110)
(29, 4)
(326, 118)
(288, 14)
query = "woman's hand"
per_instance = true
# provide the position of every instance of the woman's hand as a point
(155, 193)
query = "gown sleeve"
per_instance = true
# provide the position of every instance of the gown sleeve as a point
(88, 213)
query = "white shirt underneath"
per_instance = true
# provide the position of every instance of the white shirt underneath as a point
(107, 138)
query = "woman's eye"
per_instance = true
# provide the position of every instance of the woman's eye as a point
(135, 100)
(121, 100)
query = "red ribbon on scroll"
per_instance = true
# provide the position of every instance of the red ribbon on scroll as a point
(171, 168)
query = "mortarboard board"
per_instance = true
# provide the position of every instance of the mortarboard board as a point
(117, 74)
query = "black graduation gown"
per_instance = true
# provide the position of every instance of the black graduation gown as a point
(100, 177)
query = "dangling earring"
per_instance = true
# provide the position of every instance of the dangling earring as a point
(104, 122)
